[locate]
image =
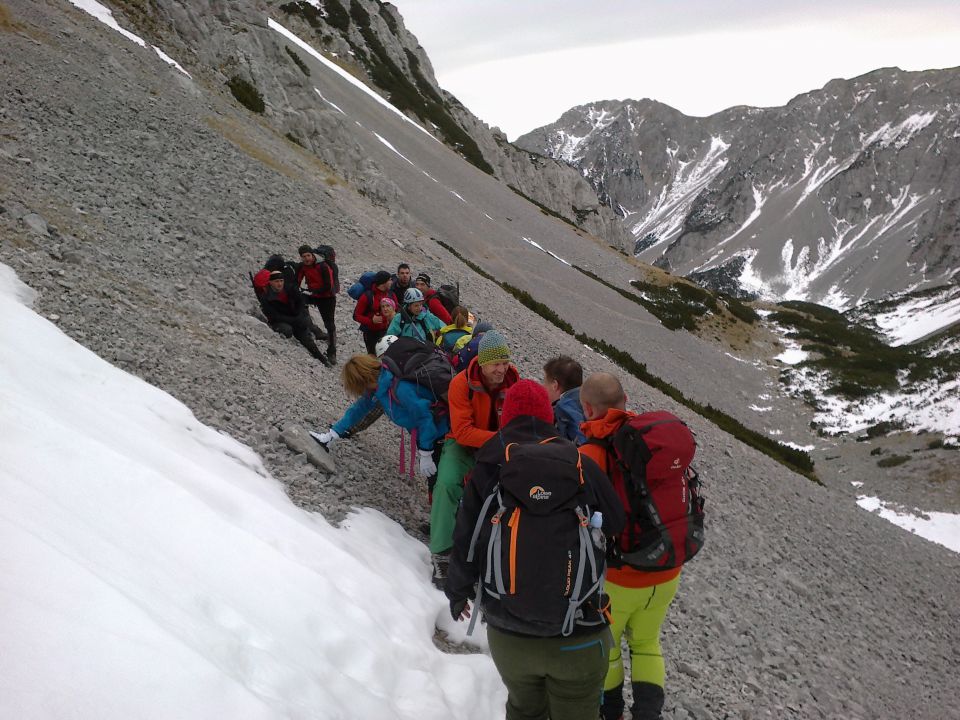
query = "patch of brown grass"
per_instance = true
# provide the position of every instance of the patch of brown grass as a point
(239, 138)
(7, 23)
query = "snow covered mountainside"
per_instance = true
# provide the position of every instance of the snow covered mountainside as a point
(844, 195)
(134, 199)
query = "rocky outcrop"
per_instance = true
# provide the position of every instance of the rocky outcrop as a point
(846, 193)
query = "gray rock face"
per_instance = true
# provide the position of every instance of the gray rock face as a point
(846, 193)
(801, 605)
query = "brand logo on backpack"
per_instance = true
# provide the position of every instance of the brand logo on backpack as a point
(538, 493)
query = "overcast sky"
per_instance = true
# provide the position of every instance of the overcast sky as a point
(519, 64)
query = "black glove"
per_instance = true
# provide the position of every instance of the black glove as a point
(456, 608)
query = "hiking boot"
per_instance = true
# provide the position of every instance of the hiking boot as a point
(647, 701)
(332, 355)
(612, 705)
(440, 563)
(323, 359)
(319, 438)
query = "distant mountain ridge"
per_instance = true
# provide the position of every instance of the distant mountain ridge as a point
(844, 195)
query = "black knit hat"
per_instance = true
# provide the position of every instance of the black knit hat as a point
(424, 277)
(276, 275)
(381, 277)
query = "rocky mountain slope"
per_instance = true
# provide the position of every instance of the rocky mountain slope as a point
(368, 39)
(135, 199)
(845, 194)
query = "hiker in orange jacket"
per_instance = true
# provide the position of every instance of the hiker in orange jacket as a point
(639, 599)
(475, 397)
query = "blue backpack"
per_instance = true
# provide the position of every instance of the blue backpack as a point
(362, 285)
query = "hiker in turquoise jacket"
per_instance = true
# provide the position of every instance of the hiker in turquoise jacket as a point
(414, 320)
(407, 404)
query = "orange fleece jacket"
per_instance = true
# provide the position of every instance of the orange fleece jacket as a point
(472, 405)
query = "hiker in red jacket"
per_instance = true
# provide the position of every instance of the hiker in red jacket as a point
(433, 303)
(321, 276)
(367, 312)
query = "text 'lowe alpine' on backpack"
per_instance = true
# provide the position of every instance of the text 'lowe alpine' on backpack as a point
(539, 560)
(659, 489)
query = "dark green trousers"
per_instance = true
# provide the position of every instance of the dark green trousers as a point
(555, 678)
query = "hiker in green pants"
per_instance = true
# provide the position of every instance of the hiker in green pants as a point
(476, 398)
(456, 462)
(556, 677)
(523, 553)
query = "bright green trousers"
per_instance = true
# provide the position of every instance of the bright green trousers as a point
(639, 612)
(455, 462)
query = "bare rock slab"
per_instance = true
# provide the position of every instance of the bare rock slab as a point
(299, 441)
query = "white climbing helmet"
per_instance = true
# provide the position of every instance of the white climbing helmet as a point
(383, 343)
(412, 295)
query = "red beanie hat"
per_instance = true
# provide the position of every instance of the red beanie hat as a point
(526, 397)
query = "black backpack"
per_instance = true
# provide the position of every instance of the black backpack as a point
(449, 296)
(325, 253)
(540, 559)
(426, 365)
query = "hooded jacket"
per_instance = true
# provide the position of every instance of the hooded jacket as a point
(322, 278)
(600, 429)
(475, 410)
(369, 305)
(462, 575)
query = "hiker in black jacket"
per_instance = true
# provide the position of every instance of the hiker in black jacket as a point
(286, 312)
(548, 672)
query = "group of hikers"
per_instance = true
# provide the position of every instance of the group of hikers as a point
(555, 512)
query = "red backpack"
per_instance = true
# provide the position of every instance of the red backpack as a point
(651, 474)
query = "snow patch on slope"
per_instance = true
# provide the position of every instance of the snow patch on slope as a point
(939, 527)
(307, 48)
(920, 317)
(105, 15)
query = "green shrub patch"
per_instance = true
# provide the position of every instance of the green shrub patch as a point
(298, 61)
(246, 94)
(857, 358)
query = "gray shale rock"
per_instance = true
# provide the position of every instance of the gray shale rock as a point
(299, 441)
